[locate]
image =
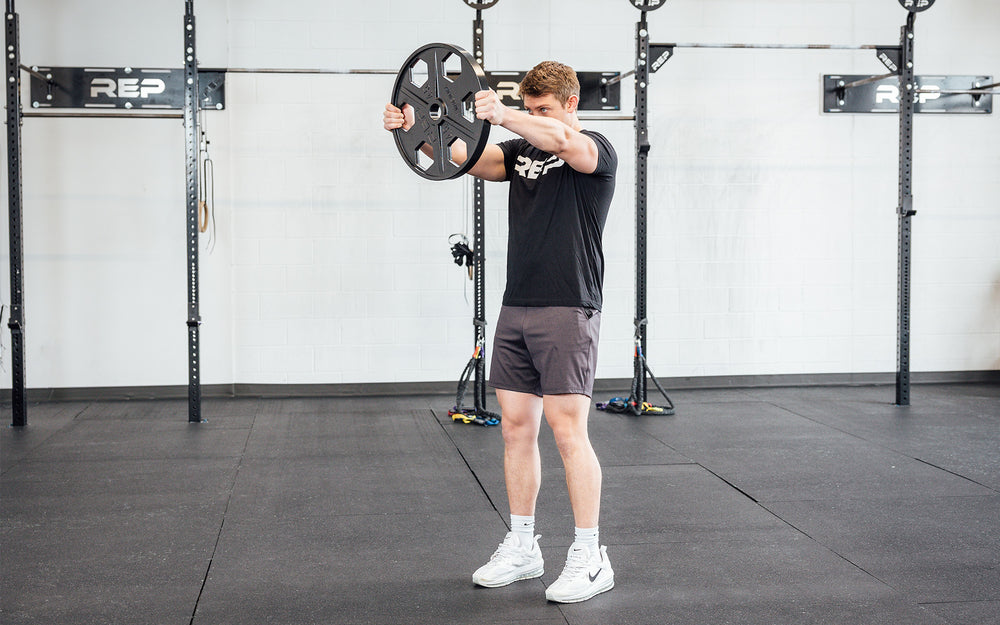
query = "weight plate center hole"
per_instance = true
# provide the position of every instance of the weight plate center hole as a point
(437, 111)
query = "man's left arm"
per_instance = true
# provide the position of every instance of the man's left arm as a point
(548, 135)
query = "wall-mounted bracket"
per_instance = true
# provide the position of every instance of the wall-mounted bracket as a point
(660, 53)
(122, 88)
(891, 57)
(852, 93)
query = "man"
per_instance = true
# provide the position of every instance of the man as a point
(545, 345)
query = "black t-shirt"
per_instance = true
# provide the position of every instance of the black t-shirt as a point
(556, 218)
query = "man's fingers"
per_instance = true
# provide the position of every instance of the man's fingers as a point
(392, 117)
(408, 116)
(484, 98)
(489, 107)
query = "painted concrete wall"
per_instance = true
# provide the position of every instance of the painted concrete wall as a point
(772, 227)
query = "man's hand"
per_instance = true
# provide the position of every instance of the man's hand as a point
(489, 107)
(394, 117)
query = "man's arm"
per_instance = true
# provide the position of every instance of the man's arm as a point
(549, 135)
(490, 165)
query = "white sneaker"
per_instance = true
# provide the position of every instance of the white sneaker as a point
(511, 562)
(586, 574)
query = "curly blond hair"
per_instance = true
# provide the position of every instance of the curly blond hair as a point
(551, 77)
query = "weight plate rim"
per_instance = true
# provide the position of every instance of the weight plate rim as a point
(916, 9)
(476, 151)
(481, 5)
(641, 8)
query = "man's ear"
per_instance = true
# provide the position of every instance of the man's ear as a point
(572, 103)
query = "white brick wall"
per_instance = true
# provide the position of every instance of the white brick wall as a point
(772, 227)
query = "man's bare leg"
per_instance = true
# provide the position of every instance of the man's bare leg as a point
(588, 570)
(567, 415)
(518, 556)
(522, 418)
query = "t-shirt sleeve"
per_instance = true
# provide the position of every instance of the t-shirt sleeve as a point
(510, 148)
(607, 158)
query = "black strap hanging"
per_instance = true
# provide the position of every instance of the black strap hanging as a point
(637, 402)
(472, 414)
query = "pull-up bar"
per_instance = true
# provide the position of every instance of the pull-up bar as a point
(771, 46)
(275, 70)
(115, 114)
(669, 47)
(976, 91)
(864, 81)
(34, 72)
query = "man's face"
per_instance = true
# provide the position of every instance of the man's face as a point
(548, 105)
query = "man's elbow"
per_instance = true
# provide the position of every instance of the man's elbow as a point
(583, 159)
(562, 143)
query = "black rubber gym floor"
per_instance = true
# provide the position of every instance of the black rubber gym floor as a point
(764, 506)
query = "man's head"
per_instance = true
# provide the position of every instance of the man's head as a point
(551, 89)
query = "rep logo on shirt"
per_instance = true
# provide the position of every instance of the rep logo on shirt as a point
(533, 169)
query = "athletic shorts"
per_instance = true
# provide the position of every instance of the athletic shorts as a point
(548, 350)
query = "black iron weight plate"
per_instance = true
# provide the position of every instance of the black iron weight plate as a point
(440, 82)
(648, 5)
(916, 6)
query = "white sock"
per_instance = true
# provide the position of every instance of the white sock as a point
(524, 528)
(587, 536)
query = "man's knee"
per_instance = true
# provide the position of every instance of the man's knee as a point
(521, 418)
(570, 437)
(519, 431)
(570, 434)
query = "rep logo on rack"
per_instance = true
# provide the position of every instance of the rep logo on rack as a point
(890, 94)
(126, 87)
(130, 87)
(122, 87)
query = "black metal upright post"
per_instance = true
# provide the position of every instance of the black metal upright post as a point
(641, 166)
(475, 370)
(479, 253)
(191, 145)
(18, 395)
(907, 97)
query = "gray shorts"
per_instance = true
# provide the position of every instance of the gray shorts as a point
(548, 350)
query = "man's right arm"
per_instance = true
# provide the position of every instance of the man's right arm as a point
(490, 165)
